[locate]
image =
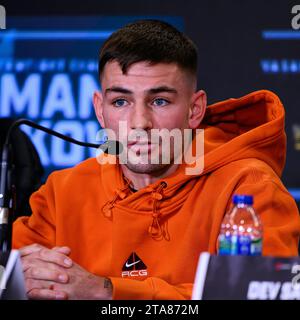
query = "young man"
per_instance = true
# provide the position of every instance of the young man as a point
(135, 230)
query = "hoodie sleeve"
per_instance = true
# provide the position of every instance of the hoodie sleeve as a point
(279, 215)
(40, 226)
(281, 223)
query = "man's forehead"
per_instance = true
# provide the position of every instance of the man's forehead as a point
(141, 70)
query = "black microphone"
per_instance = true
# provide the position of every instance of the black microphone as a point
(7, 188)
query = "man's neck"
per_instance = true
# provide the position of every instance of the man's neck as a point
(141, 180)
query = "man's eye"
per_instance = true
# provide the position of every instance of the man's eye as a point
(120, 103)
(160, 102)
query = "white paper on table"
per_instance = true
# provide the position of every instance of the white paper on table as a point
(12, 283)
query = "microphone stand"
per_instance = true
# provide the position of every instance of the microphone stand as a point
(7, 203)
(7, 187)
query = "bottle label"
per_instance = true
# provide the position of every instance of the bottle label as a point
(256, 247)
(224, 245)
(239, 245)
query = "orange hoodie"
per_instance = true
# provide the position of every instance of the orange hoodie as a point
(163, 228)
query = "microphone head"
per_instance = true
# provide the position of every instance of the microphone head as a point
(111, 147)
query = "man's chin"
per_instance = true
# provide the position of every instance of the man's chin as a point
(147, 168)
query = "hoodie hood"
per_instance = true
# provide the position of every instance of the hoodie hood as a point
(248, 127)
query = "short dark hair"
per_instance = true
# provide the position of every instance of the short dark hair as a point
(149, 40)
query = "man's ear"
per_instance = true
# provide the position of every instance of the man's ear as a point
(98, 106)
(197, 109)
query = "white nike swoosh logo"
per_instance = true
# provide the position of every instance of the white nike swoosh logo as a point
(131, 264)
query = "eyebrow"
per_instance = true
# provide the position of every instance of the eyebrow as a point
(118, 90)
(162, 89)
(155, 90)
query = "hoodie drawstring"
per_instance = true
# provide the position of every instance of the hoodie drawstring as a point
(155, 229)
(119, 194)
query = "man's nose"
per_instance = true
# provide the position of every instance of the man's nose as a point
(141, 118)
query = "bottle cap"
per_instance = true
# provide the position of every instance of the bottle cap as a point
(242, 198)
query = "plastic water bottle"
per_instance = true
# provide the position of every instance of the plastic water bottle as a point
(241, 230)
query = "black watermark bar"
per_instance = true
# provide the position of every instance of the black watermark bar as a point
(142, 309)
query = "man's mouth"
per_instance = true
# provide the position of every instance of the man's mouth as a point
(141, 146)
(138, 143)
